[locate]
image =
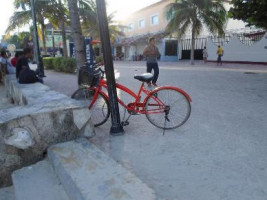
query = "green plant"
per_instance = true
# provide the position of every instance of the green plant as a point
(193, 15)
(48, 63)
(60, 64)
(251, 12)
(99, 59)
(57, 64)
(68, 65)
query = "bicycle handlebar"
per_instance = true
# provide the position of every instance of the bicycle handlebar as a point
(98, 66)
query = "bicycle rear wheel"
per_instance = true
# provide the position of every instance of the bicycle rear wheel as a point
(100, 110)
(167, 108)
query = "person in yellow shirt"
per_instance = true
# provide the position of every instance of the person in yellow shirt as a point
(220, 54)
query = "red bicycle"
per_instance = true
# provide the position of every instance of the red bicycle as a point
(166, 107)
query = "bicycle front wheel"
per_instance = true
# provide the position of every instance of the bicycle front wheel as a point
(100, 110)
(167, 108)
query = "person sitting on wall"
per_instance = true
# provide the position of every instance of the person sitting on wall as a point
(23, 72)
(4, 60)
(14, 60)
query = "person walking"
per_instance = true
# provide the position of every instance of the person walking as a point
(205, 54)
(151, 53)
(220, 54)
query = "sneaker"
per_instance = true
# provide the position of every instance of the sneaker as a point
(149, 84)
(155, 84)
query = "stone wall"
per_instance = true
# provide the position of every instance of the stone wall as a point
(40, 118)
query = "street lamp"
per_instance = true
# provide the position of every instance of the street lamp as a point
(116, 128)
(40, 67)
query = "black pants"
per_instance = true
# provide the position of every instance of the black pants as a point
(155, 67)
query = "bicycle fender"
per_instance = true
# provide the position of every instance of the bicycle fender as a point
(173, 88)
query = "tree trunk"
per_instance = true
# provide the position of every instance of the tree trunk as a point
(63, 33)
(193, 45)
(64, 39)
(43, 36)
(77, 33)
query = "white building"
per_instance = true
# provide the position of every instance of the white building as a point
(151, 21)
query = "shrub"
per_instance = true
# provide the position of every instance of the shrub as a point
(48, 64)
(60, 64)
(99, 59)
(57, 64)
(68, 65)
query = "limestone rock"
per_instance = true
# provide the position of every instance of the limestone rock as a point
(81, 117)
(20, 138)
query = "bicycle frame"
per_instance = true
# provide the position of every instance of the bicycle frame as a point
(136, 106)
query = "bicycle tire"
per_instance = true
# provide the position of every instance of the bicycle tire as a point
(100, 111)
(179, 109)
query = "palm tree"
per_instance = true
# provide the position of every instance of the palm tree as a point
(92, 29)
(23, 17)
(89, 21)
(77, 33)
(183, 14)
(59, 20)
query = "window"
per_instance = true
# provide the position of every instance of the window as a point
(131, 27)
(154, 19)
(141, 23)
(171, 47)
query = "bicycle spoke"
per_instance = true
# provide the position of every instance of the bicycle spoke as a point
(176, 108)
(100, 109)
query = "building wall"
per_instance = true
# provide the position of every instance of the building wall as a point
(146, 14)
(235, 51)
(130, 51)
(160, 10)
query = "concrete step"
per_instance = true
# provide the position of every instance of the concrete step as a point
(87, 173)
(38, 181)
(7, 193)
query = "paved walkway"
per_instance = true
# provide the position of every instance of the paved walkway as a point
(219, 154)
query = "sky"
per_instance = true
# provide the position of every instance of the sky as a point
(122, 8)
(6, 10)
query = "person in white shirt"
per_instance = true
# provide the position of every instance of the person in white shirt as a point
(205, 54)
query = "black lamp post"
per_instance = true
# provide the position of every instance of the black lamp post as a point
(40, 67)
(116, 128)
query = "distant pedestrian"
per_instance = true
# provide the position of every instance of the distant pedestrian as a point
(205, 54)
(151, 53)
(220, 54)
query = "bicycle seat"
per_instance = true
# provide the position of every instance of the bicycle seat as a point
(146, 77)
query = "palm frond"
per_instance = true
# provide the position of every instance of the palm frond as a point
(18, 19)
(199, 12)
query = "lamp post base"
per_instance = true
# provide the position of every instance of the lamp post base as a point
(116, 131)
